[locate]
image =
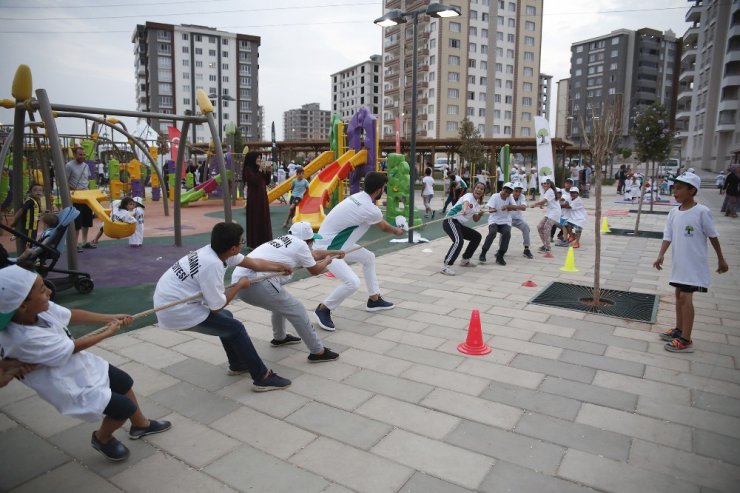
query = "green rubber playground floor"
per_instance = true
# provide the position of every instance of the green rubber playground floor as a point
(138, 296)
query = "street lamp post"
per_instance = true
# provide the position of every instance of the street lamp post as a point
(393, 18)
(219, 98)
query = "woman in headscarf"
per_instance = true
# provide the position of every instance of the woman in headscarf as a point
(258, 227)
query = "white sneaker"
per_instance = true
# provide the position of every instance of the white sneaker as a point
(447, 270)
(467, 263)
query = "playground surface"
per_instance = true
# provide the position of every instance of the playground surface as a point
(566, 401)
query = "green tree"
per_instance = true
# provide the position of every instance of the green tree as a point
(542, 134)
(653, 142)
(471, 150)
(625, 152)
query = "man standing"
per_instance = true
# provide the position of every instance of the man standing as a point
(586, 176)
(341, 230)
(499, 220)
(732, 190)
(291, 168)
(78, 178)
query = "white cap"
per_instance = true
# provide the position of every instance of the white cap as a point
(304, 231)
(691, 170)
(518, 185)
(574, 190)
(508, 185)
(690, 178)
(139, 201)
(15, 284)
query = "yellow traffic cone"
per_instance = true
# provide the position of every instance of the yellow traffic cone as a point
(605, 226)
(570, 261)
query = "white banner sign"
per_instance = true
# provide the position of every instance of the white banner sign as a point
(545, 165)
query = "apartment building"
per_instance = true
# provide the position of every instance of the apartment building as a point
(355, 87)
(483, 65)
(634, 69)
(544, 95)
(563, 109)
(708, 115)
(308, 122)
(173, 61)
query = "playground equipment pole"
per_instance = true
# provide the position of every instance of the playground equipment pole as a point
(181, 150)
(207, 108)
(61, 176)
(21, 91)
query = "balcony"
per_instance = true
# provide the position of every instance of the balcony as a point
(727, 121)
(686, 76)
(689, 54)
(691, 35)
(694, 13)
(728, 105)
(731, 80)
(421, 116)
(684, 95)
(424, 51)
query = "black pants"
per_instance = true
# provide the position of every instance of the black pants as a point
(503, 245)
(450, 200)
(458, 233)
(119, 407)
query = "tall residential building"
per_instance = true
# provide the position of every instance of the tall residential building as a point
(355, 87)
(544, 96)
(708, 116)
(562, 114)
(307, 123)
(173, 61)
(634, 69)
(483, 65)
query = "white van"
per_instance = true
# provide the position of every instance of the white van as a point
(442, 164)
(671, 166)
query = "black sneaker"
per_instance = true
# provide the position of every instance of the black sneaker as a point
(500, 260)
(379, 304)
(327, 355)
(482, 258)
(323, 318)
(272, 381)
(154, 428)
(114, 450)
(289, 339)
(527, 253)
(669, 335)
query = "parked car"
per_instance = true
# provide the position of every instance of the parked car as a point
(442, 164)
(671, 166)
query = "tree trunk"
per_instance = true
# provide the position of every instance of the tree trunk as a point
(652, 185)
(597, 237)
(639, 210)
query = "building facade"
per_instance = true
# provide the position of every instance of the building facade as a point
(309, 122)
(708, 115)
(631, 69)
(483, 65)
(544, 96)
(173, 61)
(562, 116)
(355, 87)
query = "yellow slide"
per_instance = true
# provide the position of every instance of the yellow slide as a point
(311, 208)
(92, 198)
(322, 160)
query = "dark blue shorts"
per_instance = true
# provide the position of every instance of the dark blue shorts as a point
(688, 288)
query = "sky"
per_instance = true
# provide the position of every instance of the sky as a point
(81, 53)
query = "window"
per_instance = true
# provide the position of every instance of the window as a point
(500, 20)
(472, 47)
(185, 36)
(186, 101)
(499, 67)
(526, 116)
(185, 62)
(225, 54)
(615, 41)
(432, 59)
(579, 49)
(578, 72)
(509, 38)
(165, 75)
(497, 114)
(526, 101)
(484, 49)
(529, 26)
(525, 132)
(165, 89)
(225, 42)
(528, 72)
(527, 86)
(211, 52)
(453, 109)
(496, 129)
(199, 64)
(471, 63)
(507, 114)
(164, 62)
(484, 17)
(509, 84)
(507, 129)
(484, 33)
(165, 101)
(481, 96)
(471, 79)
(500, 52)
(453, 93)
(454, 43)
(508, 100)
(614, 53)
(453, 60)
(528, 56)
(199, 51)
(453, 76)
(499, 83)
(185, 49)
(497, 98)
(511, 22)
(225, 66)
(471, 95)
(531, 10)
(483, 81)
(509, 69)
(481, 112)
(472, 31)
(455, 27)
(500, 35)
(212, 78)
(474, 15)
(452, 126)
(185, 75)
(484, 65)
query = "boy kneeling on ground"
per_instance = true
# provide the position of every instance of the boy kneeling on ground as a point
(33, 330)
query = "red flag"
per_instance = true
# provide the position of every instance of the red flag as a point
(398, 135)
(173, 135)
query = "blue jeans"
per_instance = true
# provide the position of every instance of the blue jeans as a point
(238, 346)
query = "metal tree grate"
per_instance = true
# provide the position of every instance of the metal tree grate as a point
(631, 232)
(620, 304)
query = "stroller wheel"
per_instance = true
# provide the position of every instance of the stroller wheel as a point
(84, 285)
(52, 288)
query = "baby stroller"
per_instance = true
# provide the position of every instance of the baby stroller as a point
(45, 254)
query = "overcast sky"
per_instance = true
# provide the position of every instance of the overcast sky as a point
(80, 51)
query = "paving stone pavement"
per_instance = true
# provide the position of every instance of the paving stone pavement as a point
(566, 401)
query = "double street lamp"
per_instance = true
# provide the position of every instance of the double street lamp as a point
(393, 18)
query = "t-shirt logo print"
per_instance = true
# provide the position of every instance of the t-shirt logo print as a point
(689, 231)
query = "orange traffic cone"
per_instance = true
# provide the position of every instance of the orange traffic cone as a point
(529, 284)
(474, 344)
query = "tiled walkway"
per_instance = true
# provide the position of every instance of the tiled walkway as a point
(565, 402)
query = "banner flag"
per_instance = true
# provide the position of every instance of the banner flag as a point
(545, 165)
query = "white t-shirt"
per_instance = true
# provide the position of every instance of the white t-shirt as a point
(287, 249)
(291, 168)
(553, 206)
(280, 175)
(565, 213)
(688, 232)
(428, 182)
(348, 221)
(122, 216)
(518, 215)
(456, 210)
(200, 271)
(500, 216)
(533, 180)
(76, 384)
(577, 212)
